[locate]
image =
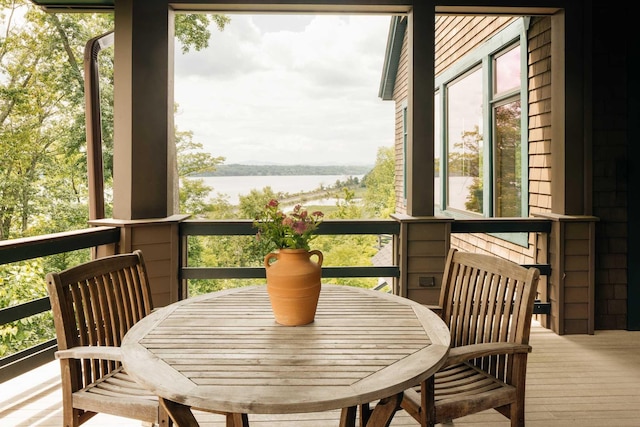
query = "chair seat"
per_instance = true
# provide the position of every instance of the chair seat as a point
(462, 385)
(118, 394)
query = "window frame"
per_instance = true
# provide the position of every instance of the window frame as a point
(484, 56)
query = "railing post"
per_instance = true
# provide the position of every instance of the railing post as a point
(571, 285)
(422, 252)
(159, 239)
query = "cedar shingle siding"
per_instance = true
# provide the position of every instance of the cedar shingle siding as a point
(571, 288)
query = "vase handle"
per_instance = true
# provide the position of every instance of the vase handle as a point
(267, 259)
(318, 254)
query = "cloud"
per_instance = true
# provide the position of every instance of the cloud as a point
(288, 89)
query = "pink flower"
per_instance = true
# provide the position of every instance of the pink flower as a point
(288, 221)
(299, 227)
(293, 230)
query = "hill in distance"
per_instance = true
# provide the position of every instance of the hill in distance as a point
(287, 170)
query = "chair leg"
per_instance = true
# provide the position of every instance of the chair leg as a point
(516, 414)
(428, 403)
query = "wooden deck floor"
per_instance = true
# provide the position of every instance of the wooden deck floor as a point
(573, 381)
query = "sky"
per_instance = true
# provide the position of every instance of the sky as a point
(288, 89)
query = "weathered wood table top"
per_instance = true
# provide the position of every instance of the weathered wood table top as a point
(224, 351)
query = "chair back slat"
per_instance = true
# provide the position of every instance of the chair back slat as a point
(96, 303)
(481, 303)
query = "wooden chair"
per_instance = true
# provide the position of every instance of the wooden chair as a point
(94, 305)
(487, 303)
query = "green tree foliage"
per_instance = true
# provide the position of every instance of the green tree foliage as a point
(192, 159)
(508, 161)
(347, 206)
(192, 30)
(466, 160)
(21, 282)
(43, 175)
(348, 250)
(253, 203)
(380, 194)
(41, 113)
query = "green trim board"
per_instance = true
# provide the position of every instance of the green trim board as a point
(397, 31)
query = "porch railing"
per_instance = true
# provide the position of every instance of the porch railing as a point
(245, 228)
(36, 247)
(40, 246)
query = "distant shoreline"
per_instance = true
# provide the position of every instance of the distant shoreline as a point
(285, 170)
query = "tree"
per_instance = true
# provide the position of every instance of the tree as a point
(380, 194)
(192, 159)
(42, 131)
(466, 161)
(43, 176)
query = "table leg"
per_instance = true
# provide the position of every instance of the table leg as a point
(179, 413)
(384, 411)
(365, 413)
(348, 417)
(381, 415)
(237, 420)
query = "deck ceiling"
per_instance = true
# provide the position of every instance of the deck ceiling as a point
(492, 7)
(76, 5)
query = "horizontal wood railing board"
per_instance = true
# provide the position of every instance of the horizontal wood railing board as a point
(20, 311)
(259, 272)
(246, 228)
(501, 225)
(39, 246)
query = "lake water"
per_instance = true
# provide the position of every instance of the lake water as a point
(234, 186)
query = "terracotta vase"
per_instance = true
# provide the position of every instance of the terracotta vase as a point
(293, 284)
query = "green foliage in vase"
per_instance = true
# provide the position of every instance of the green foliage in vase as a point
(286, 230)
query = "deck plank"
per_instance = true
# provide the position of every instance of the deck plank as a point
(572, 381)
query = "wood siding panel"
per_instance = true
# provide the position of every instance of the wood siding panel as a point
(571, 285)
(539, 86)
(159, 242)
(425, 248)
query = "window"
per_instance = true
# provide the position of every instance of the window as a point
(464, 143)
(507, 118)
(480, 138)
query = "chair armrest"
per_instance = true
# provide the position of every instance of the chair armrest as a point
(91, 352)
(468, 352)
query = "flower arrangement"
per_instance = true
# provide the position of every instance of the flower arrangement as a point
(293, 230)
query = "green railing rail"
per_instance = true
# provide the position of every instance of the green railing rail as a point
(245, 228)
(506, 225)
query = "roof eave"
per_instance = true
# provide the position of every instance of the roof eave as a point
(397, 29)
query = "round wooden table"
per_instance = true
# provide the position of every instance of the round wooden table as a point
(224, 351)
